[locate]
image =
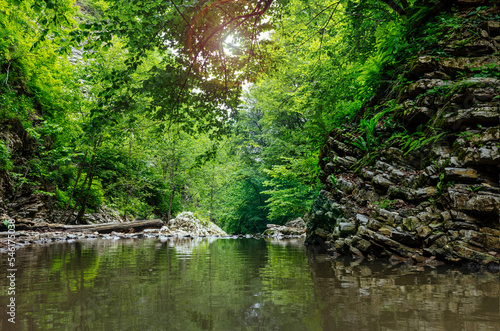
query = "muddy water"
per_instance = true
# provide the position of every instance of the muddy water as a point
(245, 284)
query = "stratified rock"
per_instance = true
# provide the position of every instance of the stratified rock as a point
(463, 175)
(421, 86)
(390, 244)
(471, 254)
(485, 155)
(292, 229)
(382, 183)
(432, 192)
(485, 115)
(347, 228)
(296, 223)
(484, 203)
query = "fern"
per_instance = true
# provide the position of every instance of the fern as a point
(415, 141)
(361, 144)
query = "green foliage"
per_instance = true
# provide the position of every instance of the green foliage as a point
(368, 139)
(441, 184)
(5, 161)
(16, 107)
(368, 127)
(474, 188)
(62, 198)
(416, 140)
(291, 193)
(244, 206)
(95, 195)
(384, 203)
(333, 179)
(489, 70)
(153, 108)
(20, 180)
(390, 44)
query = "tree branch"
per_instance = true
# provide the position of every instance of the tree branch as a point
(242, 18)
(405, 4)
(324, 30)
(180, 13)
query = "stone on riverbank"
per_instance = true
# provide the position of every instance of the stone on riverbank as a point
(187, 225)
(294, 228)
(184, 225)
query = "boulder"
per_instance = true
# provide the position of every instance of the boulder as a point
(296, 223)
(187, 225)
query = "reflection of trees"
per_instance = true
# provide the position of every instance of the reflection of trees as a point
(374, 296)
(285, 278)
(238, 284)
(176, 285)
(287, 284)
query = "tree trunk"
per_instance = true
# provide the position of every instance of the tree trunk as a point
(397, 8)
(89, 175)
(172, 193)
(129, 177)
(82, 164)
(172, 185)
(68, 219)
(212, 194)
(86, 196)
(118, 227)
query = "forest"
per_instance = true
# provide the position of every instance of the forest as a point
(221, 108)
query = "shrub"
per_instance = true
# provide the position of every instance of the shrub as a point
(5, 162)
(95, 195)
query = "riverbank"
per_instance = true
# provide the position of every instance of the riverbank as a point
(25, 238)
(185, 225)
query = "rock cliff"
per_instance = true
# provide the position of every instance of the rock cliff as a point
(418, 179)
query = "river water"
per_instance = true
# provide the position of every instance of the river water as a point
(237, 284)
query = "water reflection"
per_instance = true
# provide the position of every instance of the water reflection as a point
(379, 296)
(237, 284)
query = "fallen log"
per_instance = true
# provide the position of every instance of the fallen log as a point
(24, 225)
(133, 226)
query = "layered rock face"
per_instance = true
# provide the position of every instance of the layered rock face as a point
(424, 185)
(294, 228)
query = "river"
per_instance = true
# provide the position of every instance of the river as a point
(237, 284)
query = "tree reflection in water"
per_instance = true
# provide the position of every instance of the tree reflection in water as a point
(357, 295)
(238, 284)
